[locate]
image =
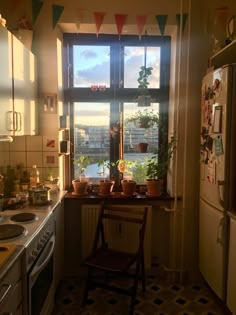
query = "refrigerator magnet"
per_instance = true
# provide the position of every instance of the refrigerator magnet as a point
(218, 146)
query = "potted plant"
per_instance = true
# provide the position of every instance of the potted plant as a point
(127, 183)
(144, 99)
(143, 119)
(105, 185)
(80, 184)
(157, 170)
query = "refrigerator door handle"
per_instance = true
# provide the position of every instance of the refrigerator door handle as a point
(221, 186)
(221, 232)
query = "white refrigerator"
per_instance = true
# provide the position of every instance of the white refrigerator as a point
(217, 174)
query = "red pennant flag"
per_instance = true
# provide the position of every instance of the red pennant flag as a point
(98, 17)
(140, 21)
(120, 21)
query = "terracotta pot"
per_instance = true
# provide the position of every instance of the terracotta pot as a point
(80, 186)
(128, 187)
(106, 187)
(143, 147)
(154, 187)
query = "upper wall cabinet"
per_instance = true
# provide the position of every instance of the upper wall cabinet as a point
(17, 87)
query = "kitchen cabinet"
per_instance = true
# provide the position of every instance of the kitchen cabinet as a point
(17, 87)
(225, 56)
(11, 290)
(58, 267)
(231, 282)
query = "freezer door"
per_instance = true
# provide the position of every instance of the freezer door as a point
(231, 284)
(212, 247)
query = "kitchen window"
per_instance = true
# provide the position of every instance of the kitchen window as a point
(101, 89)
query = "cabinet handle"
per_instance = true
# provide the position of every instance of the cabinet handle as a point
(18, 121)
(5, 287)
(10, 120)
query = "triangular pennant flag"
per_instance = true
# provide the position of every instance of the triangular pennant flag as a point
(36, 8)
(161, 21)
(56, 13)
(120, 21)
(184, 20)
(140, 21)
(98, 17)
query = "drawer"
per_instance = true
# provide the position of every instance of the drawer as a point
(13, 299)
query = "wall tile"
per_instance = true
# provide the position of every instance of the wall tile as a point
(17, 157)
(18, 144)
(34, 143)
(4, 159)
(4, 146)
(34, 158)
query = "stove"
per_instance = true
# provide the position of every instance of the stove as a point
(27, 228)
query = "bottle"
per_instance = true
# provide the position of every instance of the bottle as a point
(34, 176)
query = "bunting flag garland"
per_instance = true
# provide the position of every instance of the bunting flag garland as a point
(36, 8)
(120, 21)
(140, 21)
(56, 13)
(98, 17)
(184, 17)
(161, 21)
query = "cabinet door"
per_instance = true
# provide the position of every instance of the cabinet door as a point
(24, 87)
(6, 100)
(231, 286)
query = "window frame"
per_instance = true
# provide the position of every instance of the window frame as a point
(122, 95)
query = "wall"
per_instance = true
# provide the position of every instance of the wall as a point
(192, 48)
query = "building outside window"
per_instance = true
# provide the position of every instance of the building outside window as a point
(101, 90)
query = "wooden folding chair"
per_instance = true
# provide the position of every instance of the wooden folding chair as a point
(117, 262)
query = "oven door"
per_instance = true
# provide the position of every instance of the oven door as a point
(40, 278)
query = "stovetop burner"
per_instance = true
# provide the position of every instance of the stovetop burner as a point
(9, 231)
(25, 217)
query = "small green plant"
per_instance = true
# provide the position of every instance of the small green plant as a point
(156, 168)
(104, 165)
(82, 162)
(126, 167)
(144, 118)
(144, 73)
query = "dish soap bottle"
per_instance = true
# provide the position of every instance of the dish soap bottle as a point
(34, 176)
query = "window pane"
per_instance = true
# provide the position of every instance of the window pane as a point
(91, 136)
(134, 59)
(136, 133)
(91, 65)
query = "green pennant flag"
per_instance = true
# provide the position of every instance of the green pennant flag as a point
(56, 13)
(161, 21)
(184, 20)
(36, 8)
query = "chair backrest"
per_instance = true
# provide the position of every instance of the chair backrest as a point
(121, 227)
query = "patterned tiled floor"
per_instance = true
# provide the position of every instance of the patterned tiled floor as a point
(161, 298)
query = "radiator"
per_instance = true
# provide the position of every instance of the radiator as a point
(89, 217)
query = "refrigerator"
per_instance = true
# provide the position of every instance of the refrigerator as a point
(217, 174)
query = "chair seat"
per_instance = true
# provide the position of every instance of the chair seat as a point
(110, 260)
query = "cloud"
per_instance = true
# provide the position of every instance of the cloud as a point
(88, 54)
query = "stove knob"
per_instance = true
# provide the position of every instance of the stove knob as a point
(34, 253)
(39, 246)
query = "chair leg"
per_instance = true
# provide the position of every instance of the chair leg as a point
(143, 274)
(87, 286)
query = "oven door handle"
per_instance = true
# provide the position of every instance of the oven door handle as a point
(46, 255)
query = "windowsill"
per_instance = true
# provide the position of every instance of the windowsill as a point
(118, 196)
